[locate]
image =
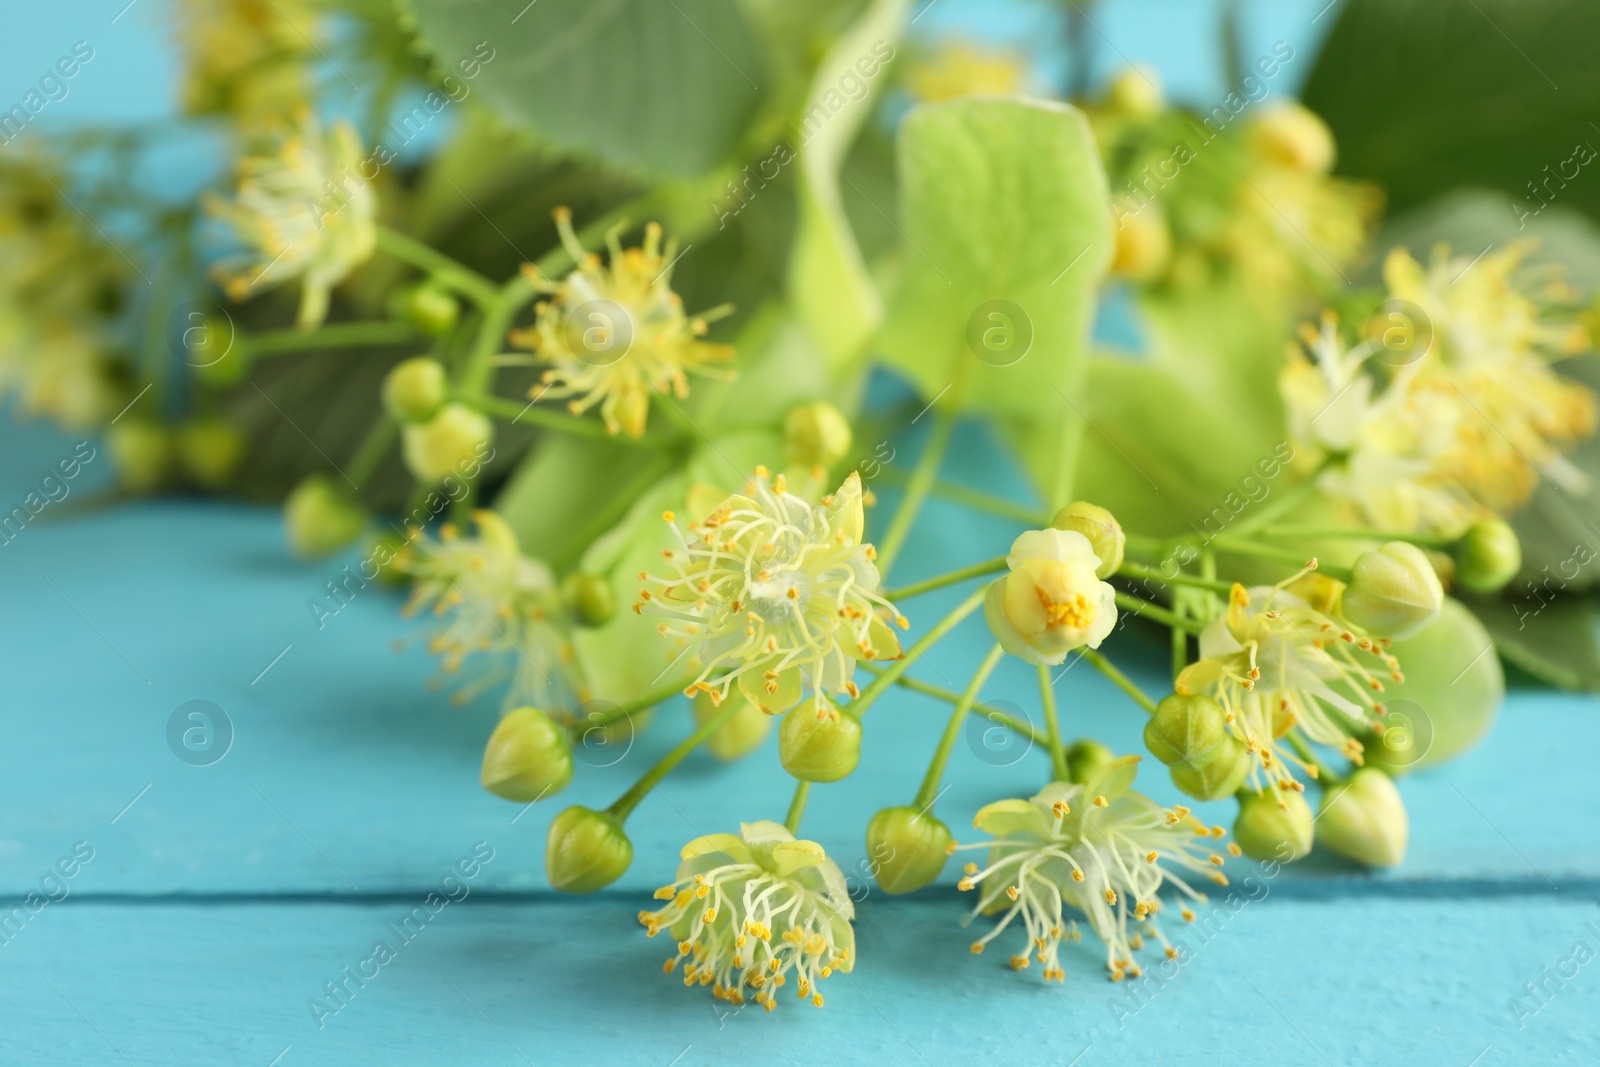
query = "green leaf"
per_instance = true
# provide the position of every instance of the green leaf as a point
(659, 85)
(1426, 96)
(1002, 200)
(1552, 639)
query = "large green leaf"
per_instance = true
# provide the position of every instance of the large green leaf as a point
(659, 85)
(1006, 236)
(1552, 638)
(1429, 95)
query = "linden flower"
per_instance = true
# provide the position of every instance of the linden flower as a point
(1276, 663)
(616, 332)
(494, 601)
(746, 910)
(245, 57)
(1099, 847)
(1052, 601)
(780, 593)
(305, 212)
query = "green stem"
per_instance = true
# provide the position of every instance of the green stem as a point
(973, 498)
(797, 806)
(561, 421)
(338, 335)
(478, 371)
(1285, 502)
(928, 585)
(1010, 722)
(1239, 547)
(616, 506)
(922, 478)
(860, 705)
(1290, 533)
(1120, 680)
(1139, 570)
(628, 801)
(1155, 613)
(373, 448)
(1052, 725)
(952, 730)
(461, 278)
(1180, 652)
(1325, 775)
(600, 720)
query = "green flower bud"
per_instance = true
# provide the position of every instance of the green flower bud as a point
(1294, 137)
(140, 450)
(586, 850)
(590, 598)
(210, 451)
(818, 742)
(1393, 591)
(320, 517)
(1098, 525)
(446, 443)
(1220, 777)
(1275, 825)
(741, 734)
(1188, 732)
(907, 848)
(816, 435)
(430, 308)
(1365, 820)
(1085, 758)
(414, 389)
(528, 757)
(1487, 556)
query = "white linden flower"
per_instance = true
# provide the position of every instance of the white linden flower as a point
(616, 333)
(1277, 664)
(497, 602)
(1052, 601)
(779, 593)
(1099, 848)
(746, 910)
(305, 212)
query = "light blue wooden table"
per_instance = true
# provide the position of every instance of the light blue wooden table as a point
(221, 899)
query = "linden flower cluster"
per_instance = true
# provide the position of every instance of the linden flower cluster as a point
(284, 214)
(747, 910)
(1277, 664)
(246, 57)
(498, 602)
(615, 333)
(780, 593)
(1098, 847)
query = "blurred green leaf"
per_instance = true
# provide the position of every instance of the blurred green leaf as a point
(1552, 639)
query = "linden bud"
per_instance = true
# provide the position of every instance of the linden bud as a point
(1143, 245)
(430, 308)
(1487, 556)
(590, 598)
(818, 742)
(1293, 137)
(1222, 775)
(1101, 528)
(906, 848)
(1365, 820)
(816, 435)
(1085, 758)
(320, 517)
(586, 850)
(1188, 732)
(1275, 825)
(741, 734)
(210, 451)
(1393, 591)
(446, 443)
(527, 758)
(414, 389)
(140, 450)
(1135, 92)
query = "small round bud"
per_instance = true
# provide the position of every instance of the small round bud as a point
(1188, 732)
(818, 742)
(430, 308)
(1365, 820)
(528, 757)
(740, 735)
(1220, 777)
(906, 848)
(590, 598)
(414, 389)
(1275, 825)
(1101, 528)
(1294, 137)
(586, 850)
(141, 451)
(1085, 758)
(1135, 92)
(320, 517)
(210, 451)
(1143, 245)
(446, 443)
(816, 435)
(1393, 591)
(1487, 556)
